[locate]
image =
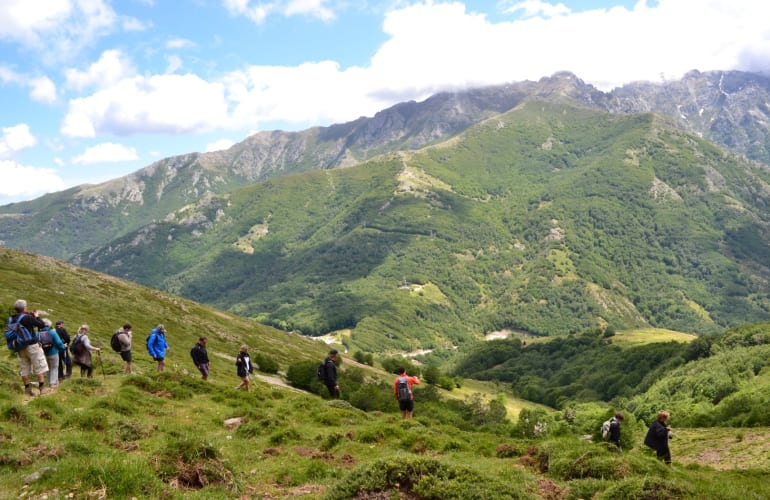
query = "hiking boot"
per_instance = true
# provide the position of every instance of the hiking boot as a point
(28, 391)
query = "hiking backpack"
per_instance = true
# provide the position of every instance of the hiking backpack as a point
(606, 429)
(18, 336)
(321, 371)
(78, 346)
(115, 342)
(46, 340)
(402, 389)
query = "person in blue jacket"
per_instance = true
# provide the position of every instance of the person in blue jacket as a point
(157, 346)
(52, 353)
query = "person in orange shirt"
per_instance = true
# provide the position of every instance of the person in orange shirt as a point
(402, 389)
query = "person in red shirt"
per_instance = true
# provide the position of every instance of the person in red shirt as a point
(402, 389)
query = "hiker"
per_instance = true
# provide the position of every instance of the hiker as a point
(658, 436)
(200, 357)
(31, 358)
(402, 389)
(53, 347)
(157, 346)
(124, 339)
(243, 364)
(330, 374)
(615, 430)
(65, 362)
(81, 352)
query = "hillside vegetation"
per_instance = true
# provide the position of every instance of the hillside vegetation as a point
(550, 219)
(165, 435)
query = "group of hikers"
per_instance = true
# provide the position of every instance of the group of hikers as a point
(48, 352)
(657, 436)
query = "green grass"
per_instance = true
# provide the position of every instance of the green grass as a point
(642, 336)
(153, 435)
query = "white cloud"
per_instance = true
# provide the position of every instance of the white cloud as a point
(219, 145)
(174, 64)
(179, 43)
(15, 139)
(19, 182)
(259, 11)
(43, 89)
(532, 8)
(107, 152)
(66, 25)
(156, 104)
(111, 67)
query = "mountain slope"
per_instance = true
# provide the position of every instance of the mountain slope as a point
(549, 218)
(728, 108)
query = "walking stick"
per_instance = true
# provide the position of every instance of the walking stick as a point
(99, 355)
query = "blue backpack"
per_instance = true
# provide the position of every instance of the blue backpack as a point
(18, 336)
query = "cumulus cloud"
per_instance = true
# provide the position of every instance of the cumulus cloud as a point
(219, 145)
(15, 139)
(67, 25)
(19, 182)
(111, 67)
(155, 104)
(41, 88)
(107, 152)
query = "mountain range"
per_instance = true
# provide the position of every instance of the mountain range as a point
(545, 206)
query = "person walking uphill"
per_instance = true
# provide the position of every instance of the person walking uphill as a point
(53, 347)
(125, 336)
(658, 436)
(157, 346)
(244, 367)
(615, 429)
(81, 352)
(201, 357)
(65, 362)
(402, 389)
(330, 374)
(31, 357)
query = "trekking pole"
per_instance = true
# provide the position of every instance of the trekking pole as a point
(99, 355)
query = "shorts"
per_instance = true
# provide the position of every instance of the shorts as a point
(32, 360)
(406, 405)
(204, 369)
(158, 359)
(126, 356)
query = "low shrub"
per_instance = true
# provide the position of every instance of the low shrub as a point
(420, 478)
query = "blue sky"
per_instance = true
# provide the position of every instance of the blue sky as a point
(95, 89)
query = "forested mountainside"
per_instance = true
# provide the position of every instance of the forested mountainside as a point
(549, 218)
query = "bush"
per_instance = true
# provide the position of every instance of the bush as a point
(266, 364)
(421, 478)
(645, 487)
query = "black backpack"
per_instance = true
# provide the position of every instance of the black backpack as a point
(115, 342)
(321, 371)
(402, 389)
(78, 346)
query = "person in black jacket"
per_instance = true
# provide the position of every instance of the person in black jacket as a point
(658, 436)
(200, 357)
(65, 361)
(615, 429)
(330, 374)
(244, 367)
